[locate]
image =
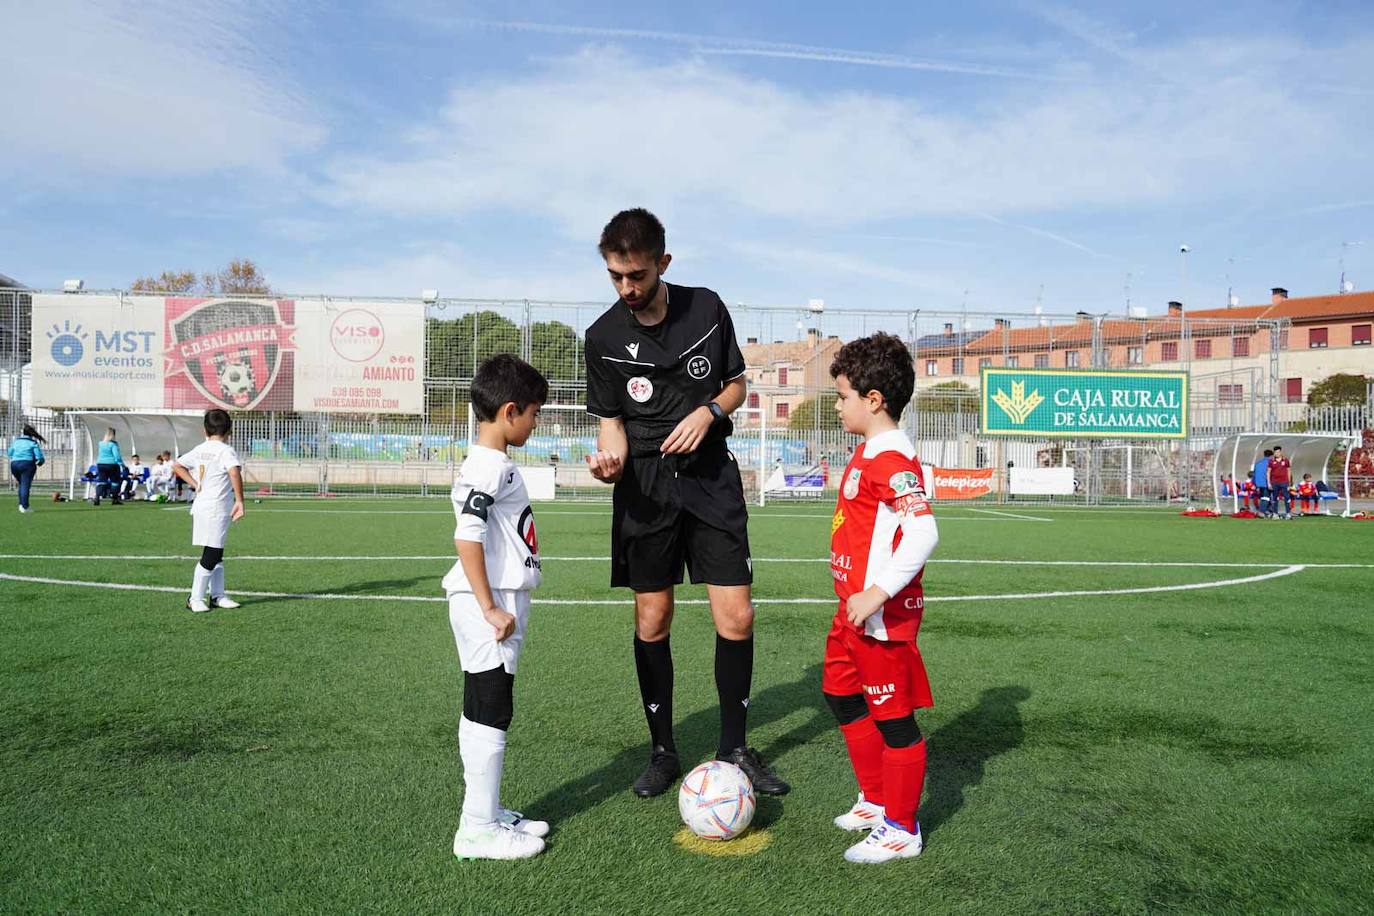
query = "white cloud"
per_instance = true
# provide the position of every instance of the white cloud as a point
(151, 88)
(578, 140)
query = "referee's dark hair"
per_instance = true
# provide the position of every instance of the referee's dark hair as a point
(634, 231)
(881, 363)
(217, 422)
(505, 379)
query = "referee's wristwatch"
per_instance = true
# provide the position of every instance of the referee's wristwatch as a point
(716, 411)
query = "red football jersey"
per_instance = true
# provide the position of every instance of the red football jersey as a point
(1279, 471)
(1307, 489)
(882, 484)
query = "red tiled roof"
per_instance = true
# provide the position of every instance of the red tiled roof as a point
(1307, 308)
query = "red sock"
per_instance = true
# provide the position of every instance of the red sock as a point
(904, 772)
(866, 748)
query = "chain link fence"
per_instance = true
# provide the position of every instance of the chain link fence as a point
(789, 422)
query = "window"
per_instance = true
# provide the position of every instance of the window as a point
(1013, 362)
(1202, 349)
(1359, 335)
(1168, 351)
(781, 410)
(1042, 360)
(1240, 346)
(1230, 394)
(1316, 339)
(782, 375)
(958, 366)
(985, 363)
(932, 367)
(1292, 391)
(1071, 359)
(1135, 356)
(1283, 339)
(754, 400)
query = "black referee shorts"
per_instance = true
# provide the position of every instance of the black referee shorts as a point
(680, 509)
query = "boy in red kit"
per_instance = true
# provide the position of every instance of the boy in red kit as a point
(1307, 490)
(880, 538)
(1248, 491)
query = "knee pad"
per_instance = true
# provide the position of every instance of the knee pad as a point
(899, 732)
(847, 709)
(210, 557)
(489, 698)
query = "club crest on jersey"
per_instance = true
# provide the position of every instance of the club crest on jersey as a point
(640, 389)
(904, 482)
(633, 349)
(851, 484)
(698, 367)
(527, 533)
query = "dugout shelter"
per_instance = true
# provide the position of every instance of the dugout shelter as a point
(1309, 453)
(138, 433)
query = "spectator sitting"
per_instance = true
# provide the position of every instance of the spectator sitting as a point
(1307, 492)
(1248, 491)
(137, 476)
(1225, 484)
(159, 477)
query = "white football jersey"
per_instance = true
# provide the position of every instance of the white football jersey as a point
(493, 508)
(209, 464)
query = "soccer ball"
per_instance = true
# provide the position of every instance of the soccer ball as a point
(716, 800)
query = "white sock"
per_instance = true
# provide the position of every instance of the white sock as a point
(217, 581)
(483, 750)
(200, 583)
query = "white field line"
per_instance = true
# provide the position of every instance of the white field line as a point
(1029, 518)
(123, 586)
(271, 558)
(943, 516)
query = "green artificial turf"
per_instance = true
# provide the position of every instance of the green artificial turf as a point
(1199, 750)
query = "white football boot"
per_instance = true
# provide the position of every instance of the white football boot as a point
(224, 601)
(499, 841)
(863, 816)
(885, 843)
(519, 822)
(197, 605)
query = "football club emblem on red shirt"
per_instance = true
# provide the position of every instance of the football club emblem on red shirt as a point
(851, 484)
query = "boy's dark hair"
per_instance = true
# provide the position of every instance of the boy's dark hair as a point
(217, 422)
(879, 362)
(505, 379)
(634, 231)
(1278, 448)
(1269, 453)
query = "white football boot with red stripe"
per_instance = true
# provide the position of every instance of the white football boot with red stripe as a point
(863, 816)
(884, 843)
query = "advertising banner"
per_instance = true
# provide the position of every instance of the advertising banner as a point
(1042, 481)
(1084, 404)
(238, 353)
(962, 483)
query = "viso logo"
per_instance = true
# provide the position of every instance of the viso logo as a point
(357, 335)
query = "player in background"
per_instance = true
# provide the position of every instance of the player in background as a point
(1249, 492)
(1307, 491)
(1280, 482)
(214, 471)
(880, 538)
(489, 600)
(1261, 474)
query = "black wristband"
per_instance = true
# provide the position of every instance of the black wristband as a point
(716, 410)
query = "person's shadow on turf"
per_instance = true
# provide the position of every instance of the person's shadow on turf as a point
(699, 731)
(961, 748)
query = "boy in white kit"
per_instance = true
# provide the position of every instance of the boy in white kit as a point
(489, 599)
(213, 469)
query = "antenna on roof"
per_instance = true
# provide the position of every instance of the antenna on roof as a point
(1346, 285)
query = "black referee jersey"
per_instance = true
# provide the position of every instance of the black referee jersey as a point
(653, 376)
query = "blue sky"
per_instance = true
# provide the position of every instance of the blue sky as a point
(875, 155)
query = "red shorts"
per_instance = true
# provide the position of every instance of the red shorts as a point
(890, 676)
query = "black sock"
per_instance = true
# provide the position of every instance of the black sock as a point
(734, 674)
(654, 664)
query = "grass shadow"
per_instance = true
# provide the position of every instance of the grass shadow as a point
(961, 748)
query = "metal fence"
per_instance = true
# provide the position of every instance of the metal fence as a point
(1235, 368)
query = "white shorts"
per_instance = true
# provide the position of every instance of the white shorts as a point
(209, 530)
(478, 649)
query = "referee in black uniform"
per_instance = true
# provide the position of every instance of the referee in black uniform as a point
(664, 373)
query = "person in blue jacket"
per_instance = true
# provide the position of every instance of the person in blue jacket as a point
(110, 461)
(1266, 502)
(26, 457)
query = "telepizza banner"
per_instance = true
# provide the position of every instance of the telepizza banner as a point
(1084, 404)
(962, 483)
(239, 353)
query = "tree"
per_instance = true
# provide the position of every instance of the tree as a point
(1340, 390)
(240, 278)
(947, 397)
(814, 413)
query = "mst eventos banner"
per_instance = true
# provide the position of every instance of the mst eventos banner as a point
(156, 353)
